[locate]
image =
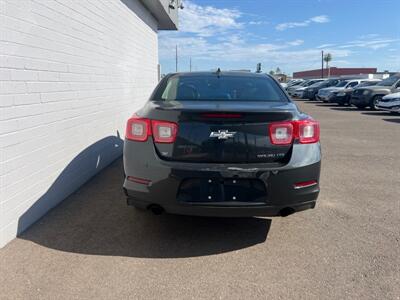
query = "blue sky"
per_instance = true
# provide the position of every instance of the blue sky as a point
(289, 34)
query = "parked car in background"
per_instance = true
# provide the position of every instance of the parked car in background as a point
(290, 89)
(311, 91)
(221, 144)
(369, 96)
(343, 96)
(293, 82)
(326, 94)
(390, 103)
(297, 90)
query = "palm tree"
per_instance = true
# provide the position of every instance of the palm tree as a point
(327, 59)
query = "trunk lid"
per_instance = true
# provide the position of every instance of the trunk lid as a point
(222, 132)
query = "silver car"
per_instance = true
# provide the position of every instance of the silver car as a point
(296, 90)
(390, 103)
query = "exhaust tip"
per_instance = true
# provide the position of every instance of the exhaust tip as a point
(156, 209)
(287, 211)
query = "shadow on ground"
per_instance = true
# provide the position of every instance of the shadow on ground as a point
(392, 120)
(347, 108)
(376, 113)
(327, 104)
(96, 220)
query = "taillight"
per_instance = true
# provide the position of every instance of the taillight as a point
(305, 131)
(164, 132)
(281, 133)
(139, 129)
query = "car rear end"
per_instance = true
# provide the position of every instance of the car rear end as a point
(341, 97)
(298, 93)
(324, 95)
(390, 103)
(361, 97)
(221, 157)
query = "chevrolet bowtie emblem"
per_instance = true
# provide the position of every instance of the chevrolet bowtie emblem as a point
(222, 134)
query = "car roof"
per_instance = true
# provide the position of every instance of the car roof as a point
(221, 73)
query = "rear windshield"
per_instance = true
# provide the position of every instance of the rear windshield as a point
(317, 84)
(367, 83)
(213, 87)
(389, 81)
(342, 83)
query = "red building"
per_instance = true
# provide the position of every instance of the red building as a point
(334, 72)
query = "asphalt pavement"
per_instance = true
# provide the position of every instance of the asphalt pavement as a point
(94, 246)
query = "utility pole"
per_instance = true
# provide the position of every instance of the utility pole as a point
(190, 64)
(258, 69)
(322, 64)
(176, 58)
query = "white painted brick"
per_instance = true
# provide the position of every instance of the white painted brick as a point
(71, 73)
(21, 111)
(12, 87)
(6, 100)
(24, 75)
(8, 126)
(58, 67)
(43, 87)
(59, 96)
(34, 64)
(22, 99)
(5, 74)
(49, 76)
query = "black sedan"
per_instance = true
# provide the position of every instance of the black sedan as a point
(312, 91)
(221, 144)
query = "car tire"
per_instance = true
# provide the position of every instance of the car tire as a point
(374, 101)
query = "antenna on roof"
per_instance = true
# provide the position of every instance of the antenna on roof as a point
(218, 72)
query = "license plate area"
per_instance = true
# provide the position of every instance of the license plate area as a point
(222, 190)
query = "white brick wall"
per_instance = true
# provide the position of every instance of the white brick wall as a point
(71, 73)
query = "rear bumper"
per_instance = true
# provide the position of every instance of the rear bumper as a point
(227, 211)
(166, 178)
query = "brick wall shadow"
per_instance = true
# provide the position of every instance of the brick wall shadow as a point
(81, 169)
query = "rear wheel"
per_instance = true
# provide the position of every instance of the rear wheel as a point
(374, 102)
